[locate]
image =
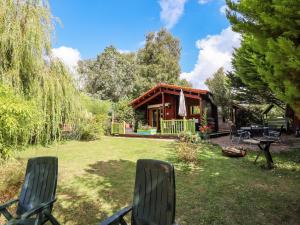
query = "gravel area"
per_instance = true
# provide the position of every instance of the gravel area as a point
(289, 142)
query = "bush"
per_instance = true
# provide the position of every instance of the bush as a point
(186, 152)
(187, 148)
(123, 111)
(188, 137)
(94, 120)
(20, 121)
(89, 131)
(100, 110)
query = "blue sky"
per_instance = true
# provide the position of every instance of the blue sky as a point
(89, 26)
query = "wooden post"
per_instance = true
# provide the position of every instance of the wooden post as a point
(163, 103)
(201, 110)
(161, 126)
(124, 127)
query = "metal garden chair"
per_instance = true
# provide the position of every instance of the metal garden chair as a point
(238, 135)
(274, 134)
(154, 196)
(37, 195)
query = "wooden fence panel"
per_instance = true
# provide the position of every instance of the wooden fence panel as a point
(177, 126)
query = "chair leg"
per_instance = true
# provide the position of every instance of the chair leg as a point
(257, 156)
(51, 218)
(6, 214)
(122, 222)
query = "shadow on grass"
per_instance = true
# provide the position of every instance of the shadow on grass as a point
(216, 190)
(222, 190)
(105, 187)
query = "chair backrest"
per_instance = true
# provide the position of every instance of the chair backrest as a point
(40, 183)
(154, 194)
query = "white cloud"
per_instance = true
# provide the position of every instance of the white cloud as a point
(215, 51)
(203, 1)
(171, 11)
(69, 56)
(223, 9)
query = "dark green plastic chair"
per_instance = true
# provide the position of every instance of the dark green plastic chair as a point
(154, 196)
(37, 195)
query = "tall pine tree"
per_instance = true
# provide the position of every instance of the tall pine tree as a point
(269, 57)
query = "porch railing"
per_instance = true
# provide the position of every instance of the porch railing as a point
(177, 126)
(118, 128)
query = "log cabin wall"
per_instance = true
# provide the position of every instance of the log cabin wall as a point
(163, 100)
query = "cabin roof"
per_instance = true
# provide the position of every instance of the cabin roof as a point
(162, 86)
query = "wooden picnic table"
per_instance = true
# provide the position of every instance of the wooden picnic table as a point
(264, 145)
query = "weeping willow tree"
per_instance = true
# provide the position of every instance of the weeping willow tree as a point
(27, 67)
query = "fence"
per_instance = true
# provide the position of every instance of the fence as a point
(177, 126)
(118, 128)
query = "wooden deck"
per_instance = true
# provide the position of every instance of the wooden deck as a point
(165, 136)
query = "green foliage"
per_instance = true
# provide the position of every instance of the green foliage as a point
(88, 130)
(28, 69)
(114, 75)
(111, 76)
(243, 92)
(98, 114)
(219, 87)
(123, 111)
(188, 137)
(250, 114)
(158, 61)
(187, 147)
(269, 58)
(20, 122)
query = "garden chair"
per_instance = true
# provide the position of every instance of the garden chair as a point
(238, 135)
(274, 135)
(154, 196)
(37, 195)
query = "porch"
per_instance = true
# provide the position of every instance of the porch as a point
(169, 130)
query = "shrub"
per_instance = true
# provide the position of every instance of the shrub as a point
(123, 111)
(88, 131)
(19, 122)
(188, 137)
(186, 152)
(100, 112)
(187, 147)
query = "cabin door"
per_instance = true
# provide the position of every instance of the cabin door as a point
(154, 117)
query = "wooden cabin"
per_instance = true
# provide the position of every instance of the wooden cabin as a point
(162, 102)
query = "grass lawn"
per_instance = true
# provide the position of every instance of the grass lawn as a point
(97, 178)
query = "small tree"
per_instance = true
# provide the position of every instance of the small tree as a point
(218, 86)
(123, 111)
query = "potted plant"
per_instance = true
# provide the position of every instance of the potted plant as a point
(146, 130)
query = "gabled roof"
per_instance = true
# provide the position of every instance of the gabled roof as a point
(164, 86)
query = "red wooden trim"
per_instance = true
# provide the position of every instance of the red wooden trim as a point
(174, 87)
(178, 93)
(146, 100)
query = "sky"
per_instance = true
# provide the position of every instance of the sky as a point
(85, 27)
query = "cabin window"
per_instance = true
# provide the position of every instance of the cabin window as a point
(195, 109)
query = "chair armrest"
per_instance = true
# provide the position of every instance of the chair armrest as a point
(37, 209)
(7, 204)
(117, 216)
